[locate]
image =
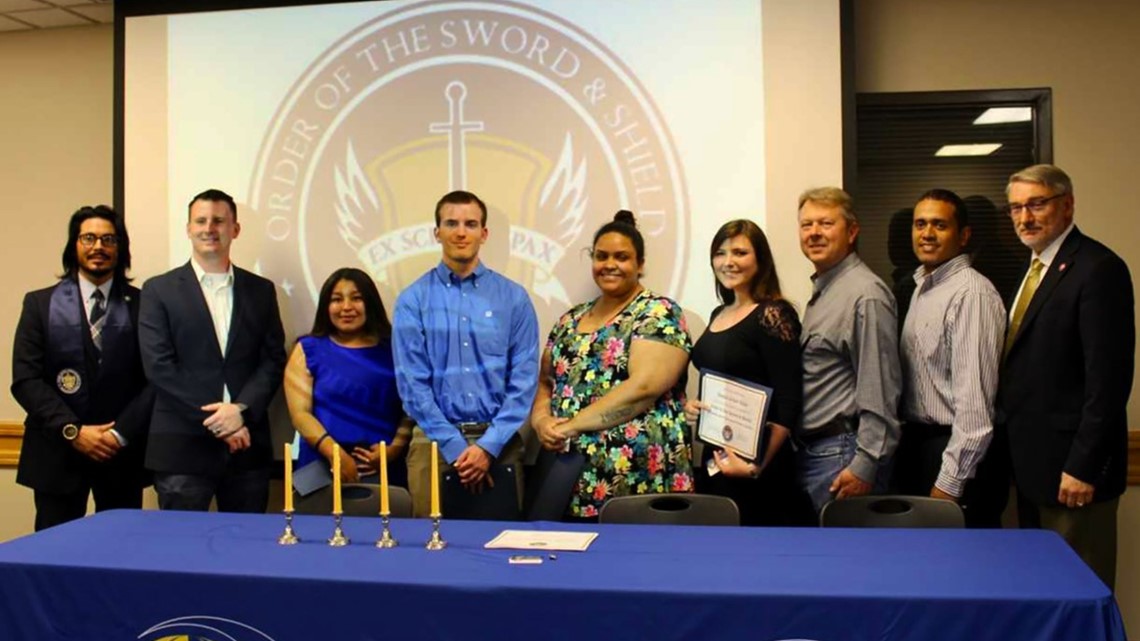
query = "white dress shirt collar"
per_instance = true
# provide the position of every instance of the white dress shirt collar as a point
(87, 290)
(201, 274)
(1049, 253)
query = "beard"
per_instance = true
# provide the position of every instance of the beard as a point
(108, 266)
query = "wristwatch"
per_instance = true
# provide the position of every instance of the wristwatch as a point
(70, 431)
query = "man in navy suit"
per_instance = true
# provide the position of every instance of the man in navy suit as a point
(77, 373)
(213, 347)
(1067, 372)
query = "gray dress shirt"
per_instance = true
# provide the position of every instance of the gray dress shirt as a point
(851, 365)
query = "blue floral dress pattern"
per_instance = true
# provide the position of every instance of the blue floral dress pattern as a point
(650, 453)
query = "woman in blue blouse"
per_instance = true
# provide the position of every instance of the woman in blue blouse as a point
(340, 383)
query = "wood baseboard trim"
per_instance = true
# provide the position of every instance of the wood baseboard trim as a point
(11, 438)
(1134, 457)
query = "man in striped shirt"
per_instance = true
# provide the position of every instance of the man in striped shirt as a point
(950, 350)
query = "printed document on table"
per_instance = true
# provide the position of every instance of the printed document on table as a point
(542, 540)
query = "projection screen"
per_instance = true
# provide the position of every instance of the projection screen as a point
(337, 127)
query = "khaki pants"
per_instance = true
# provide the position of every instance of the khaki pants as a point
(419, 469)
(1089, 530)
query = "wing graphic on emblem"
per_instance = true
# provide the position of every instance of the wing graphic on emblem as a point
(563, 198)
(570, 204)
(354, 198)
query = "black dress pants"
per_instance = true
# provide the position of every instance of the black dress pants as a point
(110, 494)
(919, 459)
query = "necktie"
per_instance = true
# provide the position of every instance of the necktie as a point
(98, 312)
(1030, 288)
(99, 308)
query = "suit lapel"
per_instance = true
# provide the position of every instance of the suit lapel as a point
(1061, 266)
(190, 291)
(238, 307)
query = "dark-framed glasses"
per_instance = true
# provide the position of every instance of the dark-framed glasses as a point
(1033, 205)
(108, 240)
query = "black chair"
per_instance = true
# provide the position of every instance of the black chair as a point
(357, 499)
(670, 509)
(892, 511)
(498, 503)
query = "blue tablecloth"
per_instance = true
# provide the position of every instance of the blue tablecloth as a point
(150, 575)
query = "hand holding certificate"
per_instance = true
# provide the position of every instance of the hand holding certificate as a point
(733, 413)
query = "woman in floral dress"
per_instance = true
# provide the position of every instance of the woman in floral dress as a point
(613, 380)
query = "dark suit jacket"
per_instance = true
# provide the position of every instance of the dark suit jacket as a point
(185, 365)
(47, 461)
(1067, 377)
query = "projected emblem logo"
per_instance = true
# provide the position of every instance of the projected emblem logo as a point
(526, 110)
(203, 628)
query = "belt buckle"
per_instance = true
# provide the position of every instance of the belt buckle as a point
(472, 427)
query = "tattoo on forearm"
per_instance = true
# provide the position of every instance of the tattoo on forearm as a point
(618, 415)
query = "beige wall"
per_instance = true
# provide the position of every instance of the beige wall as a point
(1087, 53)
(56, 118)
(799, 89)
(56, 155)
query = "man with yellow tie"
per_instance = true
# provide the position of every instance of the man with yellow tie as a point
(1067, 372)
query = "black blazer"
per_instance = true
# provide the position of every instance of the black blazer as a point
(47, 461)
(187, 369)
(1068, 374)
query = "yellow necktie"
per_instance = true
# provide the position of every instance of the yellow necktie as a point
(1027, 292)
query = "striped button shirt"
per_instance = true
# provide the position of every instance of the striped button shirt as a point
(951, 347)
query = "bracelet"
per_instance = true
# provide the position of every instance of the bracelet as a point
(317, 445)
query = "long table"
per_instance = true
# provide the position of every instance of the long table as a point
(153, 575)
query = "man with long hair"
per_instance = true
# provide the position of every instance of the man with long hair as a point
(76, 371)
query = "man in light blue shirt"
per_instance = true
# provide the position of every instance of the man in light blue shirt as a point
(465, 341)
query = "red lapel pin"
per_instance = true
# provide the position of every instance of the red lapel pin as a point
(1062, 267)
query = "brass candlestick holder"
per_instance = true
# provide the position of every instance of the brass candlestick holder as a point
(338, 539)
(386, 540)
(288, 537)
(436, 541)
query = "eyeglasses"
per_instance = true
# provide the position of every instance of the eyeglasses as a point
(1035, 206)
(108, 240)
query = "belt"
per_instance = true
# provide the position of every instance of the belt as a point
(837, 427)
(929, 429)
(472, 429)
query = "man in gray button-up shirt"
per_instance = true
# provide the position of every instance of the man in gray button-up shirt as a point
(851, 367)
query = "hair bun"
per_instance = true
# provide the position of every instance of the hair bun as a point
(625, 216)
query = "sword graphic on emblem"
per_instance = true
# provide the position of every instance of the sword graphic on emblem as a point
(562, 203)
(456, 129)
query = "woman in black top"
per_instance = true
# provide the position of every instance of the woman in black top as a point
(755, 336)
